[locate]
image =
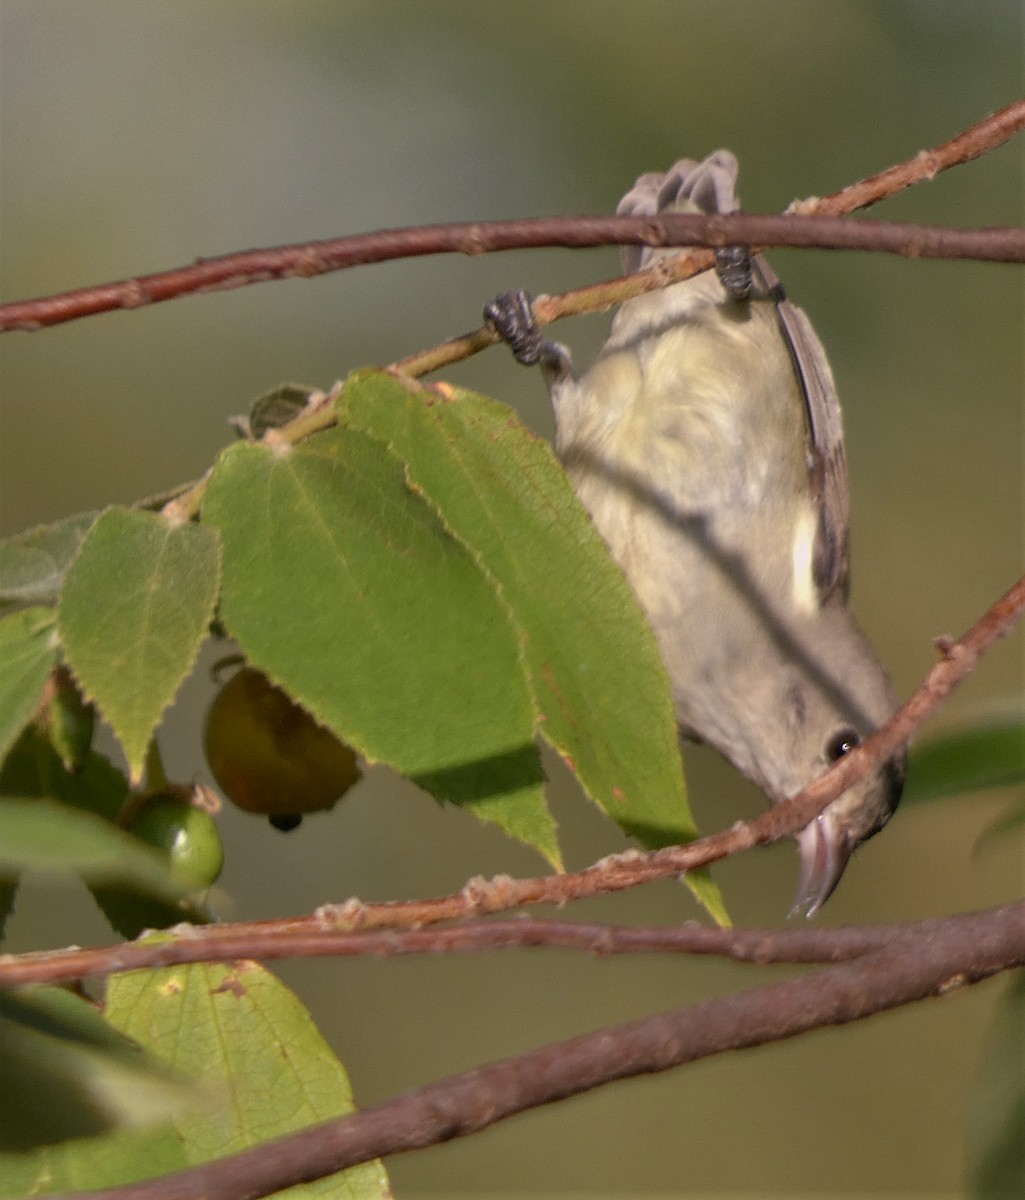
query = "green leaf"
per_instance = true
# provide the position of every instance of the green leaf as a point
(134, 611)
(967, 760)
(277, 407)
(239, 1031)
(28, 653)
(34, 771)
(8, 895)
(345, 588)
(85, 1163)
(70, 721)
(65, 1073)
(130, 913)
(1009, 821)
(43, 835)
(33, 563)
(996, 1127)
(598, 686)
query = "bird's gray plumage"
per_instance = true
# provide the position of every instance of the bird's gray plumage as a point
(706, 441)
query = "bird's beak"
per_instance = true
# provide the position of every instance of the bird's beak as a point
(825, 851)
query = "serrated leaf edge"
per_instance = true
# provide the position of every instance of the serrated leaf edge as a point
(87, 694)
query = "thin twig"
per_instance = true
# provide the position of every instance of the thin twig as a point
(960, 950)
(978, 139)
(487, 237)
(761, 946)
(754, 230)
(309, 259)
(480, 897)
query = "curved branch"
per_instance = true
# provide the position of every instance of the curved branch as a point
(316, 258)
(259, 939)
(962, 950)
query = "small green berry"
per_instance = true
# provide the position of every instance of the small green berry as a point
(187, 835)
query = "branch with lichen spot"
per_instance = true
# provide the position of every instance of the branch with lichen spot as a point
(959, 951)
(329, 930)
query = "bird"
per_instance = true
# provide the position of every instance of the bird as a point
(706, 442)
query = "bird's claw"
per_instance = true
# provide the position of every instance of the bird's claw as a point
(511, 315)
(733, 266)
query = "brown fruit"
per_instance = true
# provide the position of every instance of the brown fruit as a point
(269, 755)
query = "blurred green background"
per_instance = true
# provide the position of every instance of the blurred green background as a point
(141, 134)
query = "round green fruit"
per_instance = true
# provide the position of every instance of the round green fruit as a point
(270, 756)
(187, 835)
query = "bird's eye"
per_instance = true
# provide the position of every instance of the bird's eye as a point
(842, 742)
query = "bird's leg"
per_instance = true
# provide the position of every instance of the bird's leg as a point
(511, 315)
(733, 266)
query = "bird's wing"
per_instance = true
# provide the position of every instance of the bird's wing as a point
(827, 460)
